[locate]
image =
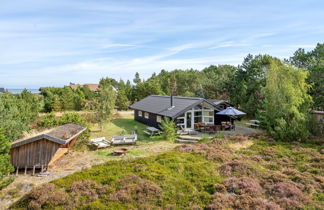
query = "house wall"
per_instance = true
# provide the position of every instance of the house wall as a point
(318, 116)
(151, 121)
(36, 154)
(220, 118)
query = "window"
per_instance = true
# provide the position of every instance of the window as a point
(158, 119)
(208, 120)
(140, 113)
(146, 115)
(208, 113)
(180, 121)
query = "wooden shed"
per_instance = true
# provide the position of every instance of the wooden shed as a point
(44, 149)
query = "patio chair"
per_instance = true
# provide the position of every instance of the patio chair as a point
(100, 142)
(118, 140)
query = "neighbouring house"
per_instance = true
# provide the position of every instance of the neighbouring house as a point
(2, 90)
(42, 150)
(185, 111)
(318, 115)
(92, 87)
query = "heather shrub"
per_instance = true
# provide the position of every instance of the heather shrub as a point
(239, 138)
(33, 205)
(237, 168)
(133, 188)
(45, 195)
(243, 186)
(212, 151)
(88, 188)
(194, 177)
(287, 195)
(232, 201)
(221, 201)
(41, 194)
(58, 198)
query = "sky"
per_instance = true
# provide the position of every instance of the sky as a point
(52, 43)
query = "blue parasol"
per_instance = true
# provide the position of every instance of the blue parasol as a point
(231, 111)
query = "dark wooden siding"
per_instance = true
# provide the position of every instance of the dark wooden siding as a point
(220, 118)
(37, 153)
(151, 121)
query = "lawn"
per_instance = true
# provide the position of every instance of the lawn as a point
(259, 174)
(123, 123)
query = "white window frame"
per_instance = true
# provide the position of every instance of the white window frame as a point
(204, 117)
(140, 113)
(158, 118)
(146, 115)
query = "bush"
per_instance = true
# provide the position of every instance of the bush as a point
(50, 120)
(169, 129)
(6, 181)
(237, 168)
(243, 186)
(232, 201)
(133, 188)
(287, 195)
(212, 151)
(88, 188)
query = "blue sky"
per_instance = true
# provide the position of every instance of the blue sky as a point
(52, 43)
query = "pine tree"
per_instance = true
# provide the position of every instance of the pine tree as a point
(137, 79)
(5, 166)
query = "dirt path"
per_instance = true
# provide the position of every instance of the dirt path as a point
(76, 161)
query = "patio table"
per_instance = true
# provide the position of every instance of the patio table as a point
(152, 131)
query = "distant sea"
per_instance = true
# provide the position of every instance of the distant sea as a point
(16, 91)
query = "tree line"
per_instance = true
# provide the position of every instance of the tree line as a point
(240, 85)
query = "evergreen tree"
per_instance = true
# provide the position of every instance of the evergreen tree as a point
(79, 99)
(245, 91)
(66, 98)
(122, 101)
(137, 79)
(105, 102)
(5, 166)
(313, 61)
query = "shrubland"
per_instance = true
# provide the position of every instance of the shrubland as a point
(211, 175)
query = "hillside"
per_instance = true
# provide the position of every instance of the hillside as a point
(215, 175)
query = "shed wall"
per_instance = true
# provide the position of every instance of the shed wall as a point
(36, 153)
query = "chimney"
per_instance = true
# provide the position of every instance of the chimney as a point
(171, 102)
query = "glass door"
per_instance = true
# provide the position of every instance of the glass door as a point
(188, 120)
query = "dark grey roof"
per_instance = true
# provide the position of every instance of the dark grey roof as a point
(62, 135)
(218, 102)
(2, 90)
(161, 105)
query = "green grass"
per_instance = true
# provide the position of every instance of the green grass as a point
(137, 152)
(123, 125)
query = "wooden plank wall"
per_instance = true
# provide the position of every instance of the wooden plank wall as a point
(38, 154)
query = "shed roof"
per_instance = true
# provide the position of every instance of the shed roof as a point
(62, 135)
(161, 105)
